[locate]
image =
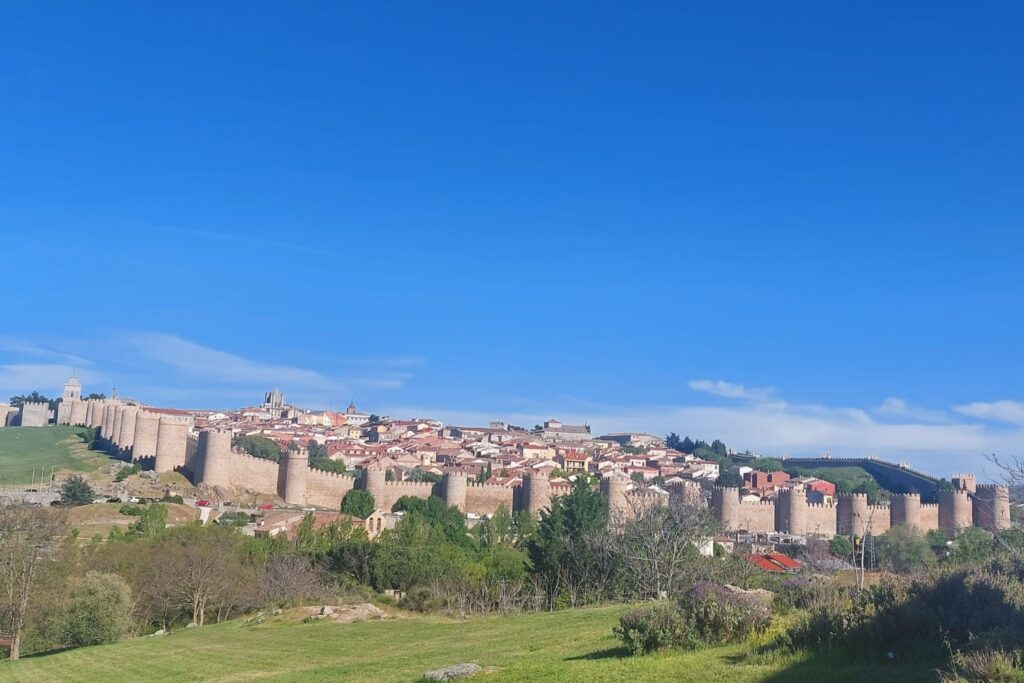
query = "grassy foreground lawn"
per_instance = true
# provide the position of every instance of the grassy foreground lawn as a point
(572, 645)
(60, 447)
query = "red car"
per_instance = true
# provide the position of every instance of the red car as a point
(202, 503)
(266, 506)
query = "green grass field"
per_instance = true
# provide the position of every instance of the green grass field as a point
(574, 645)
(60, 447)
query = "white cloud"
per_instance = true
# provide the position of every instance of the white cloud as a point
(167, 369)
(1011, 412)
(219, 366)
(900, 408)
(725, 389)
(46, 378)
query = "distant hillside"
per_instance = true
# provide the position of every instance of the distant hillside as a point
(62, 447)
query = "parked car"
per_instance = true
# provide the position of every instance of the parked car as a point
(113, 500)
(202, 503)
(266, 506)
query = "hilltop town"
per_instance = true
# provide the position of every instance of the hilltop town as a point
(311, 459)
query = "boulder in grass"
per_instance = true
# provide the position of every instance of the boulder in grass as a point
(453, 672)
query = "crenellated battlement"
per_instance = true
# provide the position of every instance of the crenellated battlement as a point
(758, 503)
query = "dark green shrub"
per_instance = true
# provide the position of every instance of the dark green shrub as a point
(420, 599)
(654, 627)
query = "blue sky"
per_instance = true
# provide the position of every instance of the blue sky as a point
(796, 227)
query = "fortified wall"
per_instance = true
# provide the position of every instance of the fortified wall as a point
(969, 504)
(212, 461)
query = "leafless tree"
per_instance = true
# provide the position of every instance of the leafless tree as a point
(286, 577)
(28, 536)
(658, 542)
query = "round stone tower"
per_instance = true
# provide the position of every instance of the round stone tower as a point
(853, 514)
(215, 454)
(108, 421)
(147, 429)
(78, 412)
(955, 511)
(537, 488)
(90, 413)
(126, 435)
(725, 502)
(115, 428)
(295, 465)
(992, 507)
(454, 487)
(791, 511)
(375, 481)
(615, 488)
(905, 508)
(171, 443)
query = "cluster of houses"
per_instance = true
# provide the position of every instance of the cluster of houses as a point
(765, 486)
(499, 453)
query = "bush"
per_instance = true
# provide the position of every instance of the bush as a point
(651, 628)
(176, 498)
(76, 491)
(130, 509)
(989, 666)
(99, 611)
(126, 472)
(799, 592)
(358, 503)
(718, 615)
(708, 614)
(420, 599)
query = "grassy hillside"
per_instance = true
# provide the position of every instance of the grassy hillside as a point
(563, 646)
(61, 447)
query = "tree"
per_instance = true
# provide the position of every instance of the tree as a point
(569, 549)
(34, 397)
(419, 474)
(841, 547)
(258, 447)
(719, 448)
(76, 491)
(152, 520)
(316, 450)
(731, 479)
(358, 503)
(99, 611)
(95, 396)
(658, 543)
(200, 568)
(673, 441)
(28, 536)
(903, 550)
(973, 544)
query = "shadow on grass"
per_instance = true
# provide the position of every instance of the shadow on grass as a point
(837, 666)
(609, 653)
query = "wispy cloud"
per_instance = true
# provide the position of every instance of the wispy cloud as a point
(718, 387)
(218, 366)
(163, 367)
(1011, 412)
(899, 408)
(46, 378)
